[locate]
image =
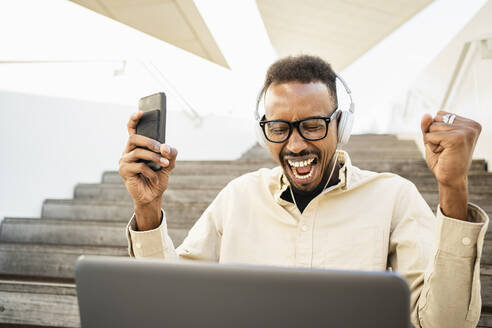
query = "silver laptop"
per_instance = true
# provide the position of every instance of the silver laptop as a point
(124, 292)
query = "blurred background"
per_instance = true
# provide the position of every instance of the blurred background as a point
(71, 73)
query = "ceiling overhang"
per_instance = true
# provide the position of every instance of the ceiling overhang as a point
(177, 22)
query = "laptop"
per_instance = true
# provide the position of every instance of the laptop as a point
(124, 292)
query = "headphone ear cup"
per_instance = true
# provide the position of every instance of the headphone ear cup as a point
(345, 127)
(260, 137)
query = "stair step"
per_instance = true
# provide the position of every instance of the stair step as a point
(219, 168)
(484, 190)
(64, 232)
(38, 260)
(384, 154)
(39, 303)
(474, 178)
(118, 192)
(372, 136)
(71, 232)
(486, 285)
(487, 252)
(482, 200)
(382, 144)
(476, 198)
(180, 181)
(485, 319)
(400, 166)
(179, 215)
(91, 210)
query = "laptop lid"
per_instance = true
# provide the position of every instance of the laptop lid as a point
(124, 292)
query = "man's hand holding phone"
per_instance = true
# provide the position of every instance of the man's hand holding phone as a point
(145, 185)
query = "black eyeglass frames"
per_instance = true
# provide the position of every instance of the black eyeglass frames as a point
(311, 128)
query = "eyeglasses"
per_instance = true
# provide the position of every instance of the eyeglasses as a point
(311, 128)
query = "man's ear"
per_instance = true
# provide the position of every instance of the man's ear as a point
(337, 120)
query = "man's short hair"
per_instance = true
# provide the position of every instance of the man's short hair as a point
(302, 68)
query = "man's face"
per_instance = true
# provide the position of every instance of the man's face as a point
(304, 162)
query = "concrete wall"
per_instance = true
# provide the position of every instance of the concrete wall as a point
(51, 144)
(472, 98)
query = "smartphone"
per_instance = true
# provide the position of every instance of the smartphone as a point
(152, 124)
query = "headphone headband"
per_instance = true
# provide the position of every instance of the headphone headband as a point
(344, 125)
(349, 92)
(345, 86)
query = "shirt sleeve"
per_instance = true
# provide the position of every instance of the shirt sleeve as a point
(202, 242)
(154, 243)
(440, 258)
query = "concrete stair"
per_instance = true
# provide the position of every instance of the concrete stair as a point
(48, 260)
(37, 303)
(72, 231)
(37, 255)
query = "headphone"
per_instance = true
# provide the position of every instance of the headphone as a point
(344, 125)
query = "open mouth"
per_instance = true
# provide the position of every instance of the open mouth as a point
(302, 169)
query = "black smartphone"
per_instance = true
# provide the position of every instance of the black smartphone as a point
(152, 124)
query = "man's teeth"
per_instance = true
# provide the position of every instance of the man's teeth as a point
(300, 163)
(307, 176)
(295, 164)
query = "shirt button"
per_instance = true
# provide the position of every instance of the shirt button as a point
(466, 241)
(138, 245)
(304, 228)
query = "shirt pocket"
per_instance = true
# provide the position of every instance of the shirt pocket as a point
(354, 249)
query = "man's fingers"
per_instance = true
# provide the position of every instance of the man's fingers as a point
(132, 123)
(454, 138)
(170, 153)
(133, 169)
(140, 153)
(137, 140)
(425, 123)
(457, 120)
(443, 127)
(433, 140)
(460, 121)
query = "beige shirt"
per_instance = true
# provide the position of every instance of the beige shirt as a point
(368, 221)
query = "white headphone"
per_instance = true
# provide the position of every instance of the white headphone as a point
(344, 125)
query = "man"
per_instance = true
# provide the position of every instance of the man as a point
(317, 210)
